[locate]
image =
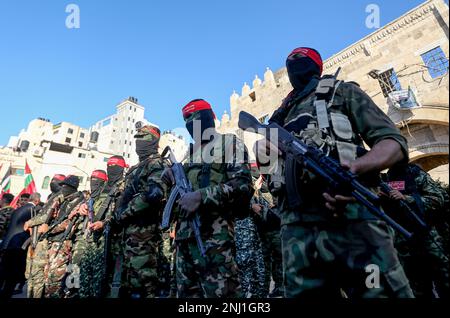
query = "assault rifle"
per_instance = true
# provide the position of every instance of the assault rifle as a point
(182, 186)
(324, 167)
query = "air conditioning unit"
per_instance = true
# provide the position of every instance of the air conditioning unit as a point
(39, 152)
(403, 100)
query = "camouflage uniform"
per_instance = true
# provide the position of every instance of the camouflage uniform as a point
(96, 267)
(142, 238)
(60, 248)
(5, 217)
(325, 251)
(268, 226)
(37, 257)
(216, 274)
(424, 258)
(165, 259)
(249, 259)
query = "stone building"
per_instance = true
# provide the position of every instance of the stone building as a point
(403, 66)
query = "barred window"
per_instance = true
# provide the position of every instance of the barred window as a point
(389, 82)
(436, 62)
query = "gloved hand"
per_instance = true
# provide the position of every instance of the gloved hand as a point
(190, 202)
(167, 177)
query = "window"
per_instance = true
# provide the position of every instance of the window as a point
(55, 132)
(253, 96)
(18, 172)
(70, 131)
(80, 144)
(112, 142)
(129, 119)
(81, 155)
(82, 135)
(46, 183)
(68, 140)
(436, 62)
(389, 82)
(105, 159)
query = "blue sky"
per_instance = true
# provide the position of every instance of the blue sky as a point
(165, 53)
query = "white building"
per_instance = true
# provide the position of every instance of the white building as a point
(175, 142)
(115, 134)
(66, 148)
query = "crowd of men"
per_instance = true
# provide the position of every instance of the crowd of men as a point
(241, 232)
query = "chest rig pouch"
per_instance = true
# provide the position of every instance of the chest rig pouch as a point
(329, 118)
(323, 126)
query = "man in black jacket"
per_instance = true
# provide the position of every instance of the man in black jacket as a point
(13, 257)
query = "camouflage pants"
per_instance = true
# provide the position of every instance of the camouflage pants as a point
(58, 257)
(213, 276)
(249, 259)
(78, 250)
(273, 261)
(93, 270)
(165, 253)
(426, 264)
(36, 261)
(141, 261)
(321, 259)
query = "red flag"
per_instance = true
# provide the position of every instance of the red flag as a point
(30, 186)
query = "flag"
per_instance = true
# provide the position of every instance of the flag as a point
(6, 182)
(30, 186)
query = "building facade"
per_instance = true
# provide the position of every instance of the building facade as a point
(403, 66)
(115, 134)
(68, 149)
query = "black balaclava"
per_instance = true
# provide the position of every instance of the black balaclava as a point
(55, 184)
(303, 64)
(199, 110)
(115, 173)
(115, 169)
(98, 180)
(67, 190)
(147, 141)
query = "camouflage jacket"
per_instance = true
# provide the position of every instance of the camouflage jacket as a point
(43, 214)
(115, 193)
(134, 207)
(59, 225)
(5, 218)
(354, 117)
(229, 190)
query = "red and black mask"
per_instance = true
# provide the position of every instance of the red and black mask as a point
(98, 180)
(55, 184)
(303, 64)
(198, 113)
(116, 168)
